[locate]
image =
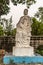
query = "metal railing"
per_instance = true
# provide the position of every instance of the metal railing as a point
(7, 42)
(35, 41)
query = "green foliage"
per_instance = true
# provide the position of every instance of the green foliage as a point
(14, 32)
(8, 24)
(1, 31)
(4, 9)
(8, 27)
(40, 50)
(27, 2)
(37, 27)
(39, 14)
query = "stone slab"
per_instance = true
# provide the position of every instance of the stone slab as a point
(23, 51)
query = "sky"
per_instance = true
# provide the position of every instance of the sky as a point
(17, 11)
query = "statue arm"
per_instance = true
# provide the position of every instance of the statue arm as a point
(19, 23)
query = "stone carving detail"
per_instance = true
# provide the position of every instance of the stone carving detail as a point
(23, 31)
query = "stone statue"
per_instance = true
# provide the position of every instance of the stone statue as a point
(23, 35)
(23, 30)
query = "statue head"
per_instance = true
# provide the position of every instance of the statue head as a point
(26, 12)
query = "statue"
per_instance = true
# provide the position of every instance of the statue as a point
(23, 30)
(23, 34)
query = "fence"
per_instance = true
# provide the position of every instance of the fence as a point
(7, 42)
(36, 41)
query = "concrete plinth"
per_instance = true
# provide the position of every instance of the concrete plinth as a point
(23, 51)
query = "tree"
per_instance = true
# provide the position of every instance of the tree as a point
(8, 23)
(10, 26)
(1, 31)
(7, 26)
(39, 50)
(4, 8)
(27, 2)
(39, 14)
(37, 27)
(14, 32)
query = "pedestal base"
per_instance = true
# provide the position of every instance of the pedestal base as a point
(23, 51)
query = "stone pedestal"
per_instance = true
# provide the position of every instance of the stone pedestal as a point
(23, 51)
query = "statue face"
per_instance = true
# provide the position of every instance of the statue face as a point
(25, 12)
